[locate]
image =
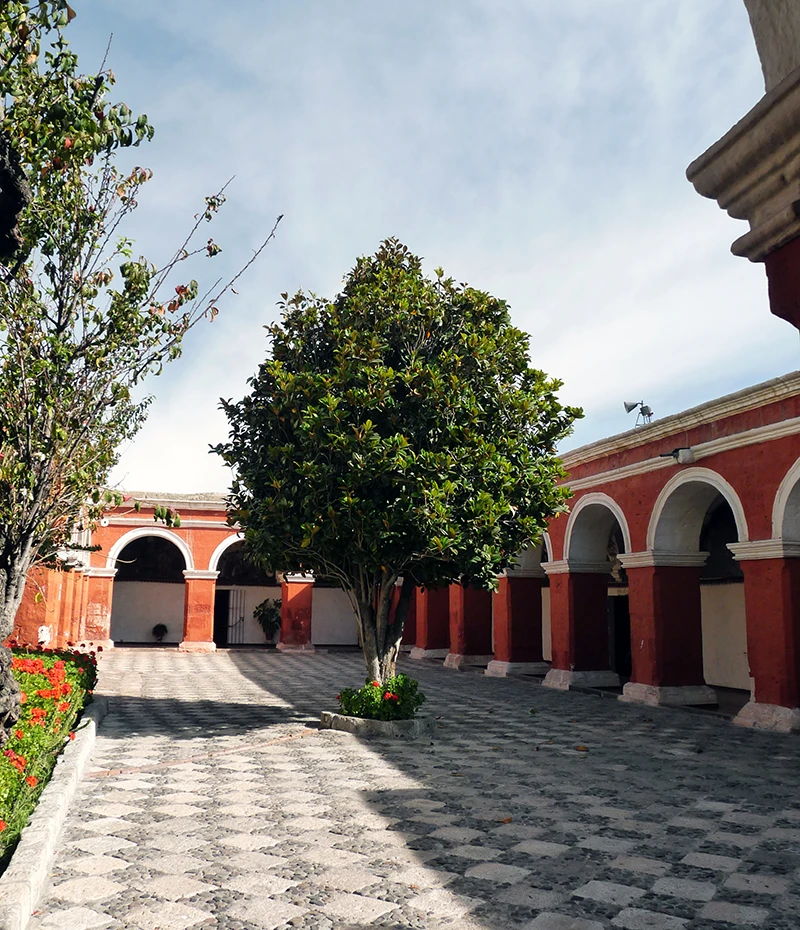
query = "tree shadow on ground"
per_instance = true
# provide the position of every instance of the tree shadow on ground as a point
(193, 719)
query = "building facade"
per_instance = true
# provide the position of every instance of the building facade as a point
(676, 573)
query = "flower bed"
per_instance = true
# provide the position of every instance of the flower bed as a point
(398, 698)
(55, 685)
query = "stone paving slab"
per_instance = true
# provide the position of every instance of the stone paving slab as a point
(213, 801)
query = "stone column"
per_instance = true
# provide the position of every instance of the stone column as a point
(198, 611)
(81, 624)
(297, 595)
(666, 628)
(517, 624)
(579, 625)
(97, 621)
(433, 624)
(470, 627)
(771, 570)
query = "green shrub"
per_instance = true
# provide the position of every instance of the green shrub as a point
(397, 699)
(55, 686)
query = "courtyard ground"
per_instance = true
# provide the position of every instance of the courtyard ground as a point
(212, 801)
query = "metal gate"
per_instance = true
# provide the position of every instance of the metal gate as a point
(236, 617)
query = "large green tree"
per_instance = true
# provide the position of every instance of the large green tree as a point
(398, 431)
(82, 319)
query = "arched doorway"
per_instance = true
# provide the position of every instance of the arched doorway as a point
(241, 586)
(148, 591)
(588, 598)
(697, 593)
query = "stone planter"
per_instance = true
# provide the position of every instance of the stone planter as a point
(416, 728)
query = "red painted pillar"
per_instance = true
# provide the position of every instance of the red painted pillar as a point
(517, 625)
(772, 604)
(198, 611)
(97, 621)
(297, 592)
(433, 624)
(666, 629)
(61, 632)
(470, 627)
(579, 626)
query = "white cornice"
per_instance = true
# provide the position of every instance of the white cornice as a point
(196, 574)
(752, 171)
(701, 451)
(96, 571)
(574, 567)
(759, 395)
(655, 559)
(765, 549)
(147, 520)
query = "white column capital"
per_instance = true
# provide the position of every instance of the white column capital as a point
(196, 574)
(299, 578)
(576, 567)
(765, 549)
(654, 558)
(95, 571)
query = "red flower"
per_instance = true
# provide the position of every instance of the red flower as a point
(376, 684)
(72, 734)
(22, 697)
(3, 825)
(32, 781)
(338, 697)
(391, 697)
(63, 706)
(19, 734)
(99, 648)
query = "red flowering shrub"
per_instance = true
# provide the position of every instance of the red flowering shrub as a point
(55, 686)
(399, 699)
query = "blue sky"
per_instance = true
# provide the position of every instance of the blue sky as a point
(535, 149)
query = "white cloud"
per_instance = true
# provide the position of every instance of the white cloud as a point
(536, 150)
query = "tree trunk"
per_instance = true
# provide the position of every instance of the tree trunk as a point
(9, 696)
(12, 587)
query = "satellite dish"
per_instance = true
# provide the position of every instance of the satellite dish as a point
(630, 405)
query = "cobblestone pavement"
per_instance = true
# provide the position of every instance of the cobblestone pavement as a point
(212, 803)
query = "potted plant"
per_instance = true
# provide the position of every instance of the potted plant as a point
(268, 615)
(159, 631)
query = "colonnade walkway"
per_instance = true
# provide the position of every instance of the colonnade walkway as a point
(212, 801)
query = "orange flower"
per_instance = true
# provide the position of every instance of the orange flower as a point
(3, 825)
(64, 705)
(19, 734)
(72, 734)
(32, 781)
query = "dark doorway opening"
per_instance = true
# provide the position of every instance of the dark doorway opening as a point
(619, 636)
(222, 601)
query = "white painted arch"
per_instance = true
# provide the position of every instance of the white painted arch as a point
(589, 526)
(217, 554)
(786, 508)
(677, 518)
(529, 560)
(160, 531)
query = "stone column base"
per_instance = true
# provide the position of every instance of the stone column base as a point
(687, 695)
(190, 645)
(418, 653)
(498, 669)
(563, 679)
(458, 662)
(406, 648)
(299, 648)
(769, 717)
